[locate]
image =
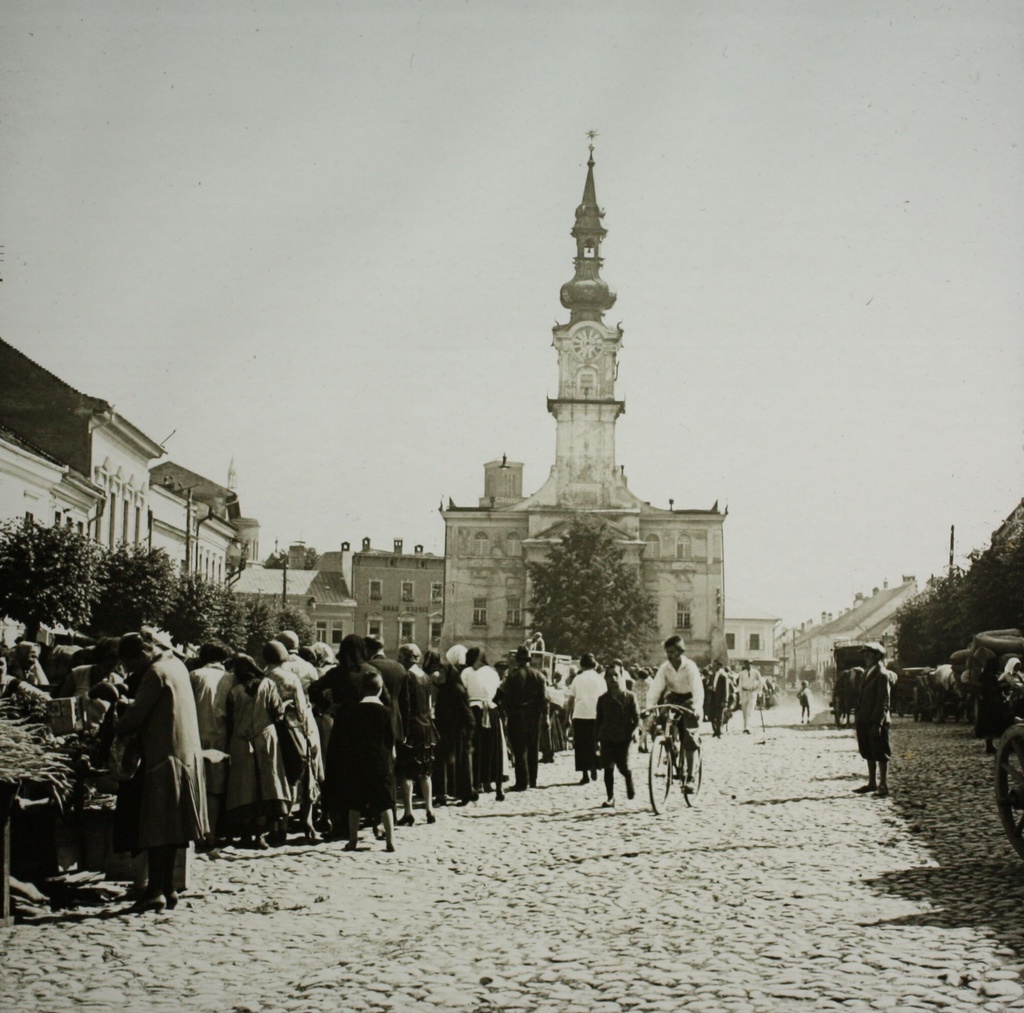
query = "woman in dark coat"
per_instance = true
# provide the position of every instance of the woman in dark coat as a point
(339, 693)
(453, 762)
(368, 782)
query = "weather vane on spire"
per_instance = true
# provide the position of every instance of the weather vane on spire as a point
(591, 134)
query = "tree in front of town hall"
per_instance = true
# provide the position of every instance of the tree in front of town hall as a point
(48, 575)
(137, 588)
(263, 619)
(203, 610)
(586, 597)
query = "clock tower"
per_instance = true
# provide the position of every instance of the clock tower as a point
(585, 472)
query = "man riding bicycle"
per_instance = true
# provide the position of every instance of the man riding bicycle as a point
(679, 681)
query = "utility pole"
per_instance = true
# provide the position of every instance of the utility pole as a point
(284, 584)
(952, 532)
(188, 531)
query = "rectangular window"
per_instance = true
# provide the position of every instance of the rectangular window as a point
(408, 591)
(69, 521)
(373, 628)
(435, 632)
(138, 524)
(113, 519)
(375, 590)
(435, 591)
(514, 614)
(56, 519)
(682, 615)
(321, 630)
(80, 528)
(730, 641)
(337, 634)
(125, 513)
(479, 611)
(406, 631)
(755, 642)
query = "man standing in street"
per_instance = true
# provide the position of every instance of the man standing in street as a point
(521, 697)
(751, 685)
(719, 698)
(872, 720)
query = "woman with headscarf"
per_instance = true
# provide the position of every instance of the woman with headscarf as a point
(299, 716)
(338, 693)
(453, 764)
(482, 683)
(259, 795)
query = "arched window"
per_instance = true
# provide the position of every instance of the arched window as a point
(653, 550)
(684, 547)
(513, 545)
(481, 544)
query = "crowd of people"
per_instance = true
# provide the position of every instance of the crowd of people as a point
(222, 748)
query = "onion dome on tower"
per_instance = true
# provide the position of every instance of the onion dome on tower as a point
(588, 295)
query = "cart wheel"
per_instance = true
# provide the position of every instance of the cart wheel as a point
(1010, 786)
(698, 772)
(660, 772)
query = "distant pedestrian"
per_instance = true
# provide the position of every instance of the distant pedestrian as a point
(584, 692)
(617, 719)
(258, 796)
(750, 686)
(640, 686)
(414, 758)
(521, 697)
(369, 788)
(804, 696)
(482, 683)
(873, 719)
(719, 695)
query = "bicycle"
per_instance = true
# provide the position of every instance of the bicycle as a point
(667, 760)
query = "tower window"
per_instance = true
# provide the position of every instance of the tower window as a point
(589, 250)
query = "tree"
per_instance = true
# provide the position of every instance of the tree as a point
(587, 598)
(203, 610)
(47, 575)
(262, 620)
(137, 587)
(276, 560)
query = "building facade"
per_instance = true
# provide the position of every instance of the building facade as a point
(750, 636)
(679, 553)
(399, 595)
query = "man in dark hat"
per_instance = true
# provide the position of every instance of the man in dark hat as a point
(521, 698)
(872, 720)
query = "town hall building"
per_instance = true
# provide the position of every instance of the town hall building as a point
(679, 553)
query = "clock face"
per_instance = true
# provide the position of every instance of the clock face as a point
(586, 342)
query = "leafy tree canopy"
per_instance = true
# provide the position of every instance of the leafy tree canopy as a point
(137, 588)
(262, 620)
(586, 597)
(47, 575)
(203, 610)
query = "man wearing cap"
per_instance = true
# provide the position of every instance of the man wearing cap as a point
(521, 697)
(679, 680)
(872, 720)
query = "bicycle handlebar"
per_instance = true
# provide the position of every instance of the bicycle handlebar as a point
(668, 707)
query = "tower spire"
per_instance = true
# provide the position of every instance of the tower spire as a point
(587, 296)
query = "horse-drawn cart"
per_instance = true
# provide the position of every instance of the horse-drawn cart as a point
(850, 666)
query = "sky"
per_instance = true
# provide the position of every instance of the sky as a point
(327, 240)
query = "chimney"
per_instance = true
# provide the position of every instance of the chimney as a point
(908, 578)
(830, 617)
(346, 564)
(398, 546)
(418, 550)
(874, 591)
(885, 584)
(801, 627)
(858, 599)
(297, 556)
(366, 545)
(824, 618)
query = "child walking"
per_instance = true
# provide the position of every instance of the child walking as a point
(369, 781)
(804, 696)
(617, 718)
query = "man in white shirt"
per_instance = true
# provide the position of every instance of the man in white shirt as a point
(679, 681)
(751, 685)
(584, 691)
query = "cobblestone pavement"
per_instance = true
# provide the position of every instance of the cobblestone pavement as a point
(780, 890)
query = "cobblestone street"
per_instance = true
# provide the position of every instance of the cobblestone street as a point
(780, 890)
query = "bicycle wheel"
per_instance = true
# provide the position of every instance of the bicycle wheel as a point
(660, 770)
(690, 794)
